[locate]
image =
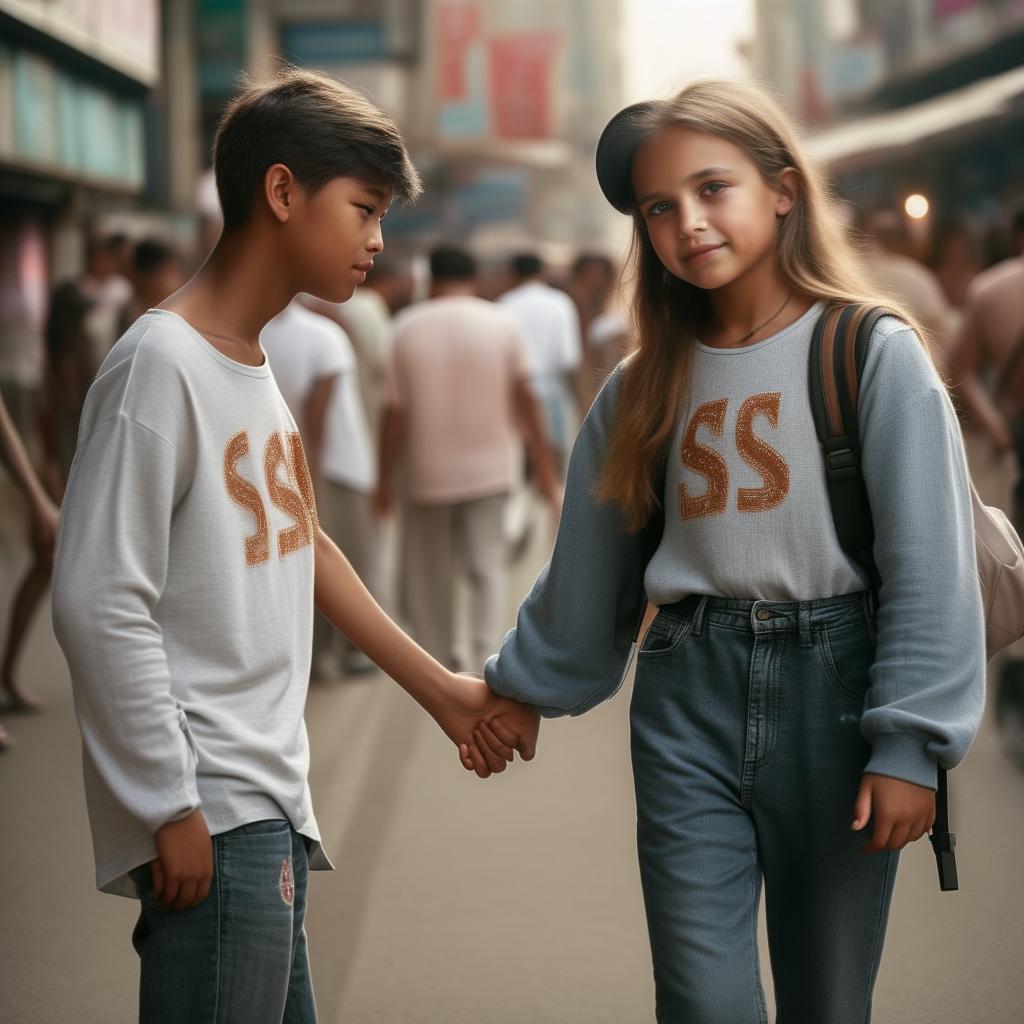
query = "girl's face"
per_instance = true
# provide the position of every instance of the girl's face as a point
(710, 215)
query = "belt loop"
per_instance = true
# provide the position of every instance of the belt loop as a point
(698, 616)
(803, 616)
(870, 605)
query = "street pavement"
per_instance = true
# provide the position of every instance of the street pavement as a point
(514, 900)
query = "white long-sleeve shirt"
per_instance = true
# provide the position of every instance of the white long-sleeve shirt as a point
(183, 596)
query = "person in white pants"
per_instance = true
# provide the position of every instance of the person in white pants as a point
(460, 395)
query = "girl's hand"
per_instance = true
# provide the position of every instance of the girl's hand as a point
(903, 811)
(515, 726)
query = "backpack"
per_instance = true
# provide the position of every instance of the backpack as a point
(838, 351)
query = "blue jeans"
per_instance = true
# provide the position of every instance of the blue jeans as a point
(747, 757)
(239, 957)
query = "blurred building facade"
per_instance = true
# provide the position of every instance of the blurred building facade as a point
(501, 103)
(74, 82)
(921, 96)
(108, 109)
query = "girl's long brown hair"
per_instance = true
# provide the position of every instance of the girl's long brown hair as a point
(815, 256)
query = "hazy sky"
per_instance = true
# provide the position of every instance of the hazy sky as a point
(667, 41)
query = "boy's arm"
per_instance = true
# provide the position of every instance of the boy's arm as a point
(109, 574)
(457, 703)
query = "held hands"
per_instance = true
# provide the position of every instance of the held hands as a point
(183, 870)
(510, 726)
(902, 811)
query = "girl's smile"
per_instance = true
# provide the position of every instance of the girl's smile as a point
(702, 254)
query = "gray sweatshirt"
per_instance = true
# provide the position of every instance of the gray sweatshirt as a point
(183, 596)
(747, 515)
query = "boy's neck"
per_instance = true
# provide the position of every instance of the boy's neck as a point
(233, 295)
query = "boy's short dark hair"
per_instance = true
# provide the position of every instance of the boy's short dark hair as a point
(316, 126)
(152, 253)
(526, 264)
(450, 263)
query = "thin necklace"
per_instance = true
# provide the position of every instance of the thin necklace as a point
(750, 334)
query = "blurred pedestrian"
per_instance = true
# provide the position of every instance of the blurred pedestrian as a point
(550, 326)
(988, 373)
(156, 273)
(461, 388)
(315, 368)
(907, 281)
(26, 598)
(69, 365)
(190, 559)
(988, 358)
(603, 327)
(367, 320)
(106, 285)
(955, 257)
(774, 701)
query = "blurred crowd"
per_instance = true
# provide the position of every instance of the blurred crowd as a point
(440, 403)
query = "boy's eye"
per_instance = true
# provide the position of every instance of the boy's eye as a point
(713, 188)
(368, 210)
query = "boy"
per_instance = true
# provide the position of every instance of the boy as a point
(185, 578)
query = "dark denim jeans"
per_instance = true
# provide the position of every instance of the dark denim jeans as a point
(240, 956)
(747, 757)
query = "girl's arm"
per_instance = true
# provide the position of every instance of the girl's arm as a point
(571, 644)
(926, 693)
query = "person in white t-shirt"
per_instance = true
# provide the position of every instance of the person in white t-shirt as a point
(550, 326)
(460, 379)
(189, 560)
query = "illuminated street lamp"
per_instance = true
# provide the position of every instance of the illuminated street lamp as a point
(916, 206)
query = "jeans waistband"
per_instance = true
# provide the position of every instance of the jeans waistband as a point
(758, 616)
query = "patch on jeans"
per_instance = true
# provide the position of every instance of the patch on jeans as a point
(286, 883)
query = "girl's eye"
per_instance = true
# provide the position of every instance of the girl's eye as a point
(368, 210)
(713, 188)
(657, 208)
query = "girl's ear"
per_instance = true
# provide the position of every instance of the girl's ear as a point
(787, 188)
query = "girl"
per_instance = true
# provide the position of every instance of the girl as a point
(774, 701)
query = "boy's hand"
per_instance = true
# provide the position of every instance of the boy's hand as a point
(184, 869)
(470, 701)
(903, 811)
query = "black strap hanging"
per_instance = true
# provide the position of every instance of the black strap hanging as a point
(838, 351)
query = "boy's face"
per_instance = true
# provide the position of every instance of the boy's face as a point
(334, 235)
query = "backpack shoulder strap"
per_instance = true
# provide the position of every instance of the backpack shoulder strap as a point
(838, 352)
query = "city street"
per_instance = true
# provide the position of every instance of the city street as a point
(512, 901)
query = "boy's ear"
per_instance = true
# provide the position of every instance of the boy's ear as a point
(787, 188)
(279, 190)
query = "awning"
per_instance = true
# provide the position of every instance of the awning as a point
(985, 100)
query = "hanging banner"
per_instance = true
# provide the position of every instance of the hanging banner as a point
(521, 77)
(458, 28)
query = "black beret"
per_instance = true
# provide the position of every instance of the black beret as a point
(619, 141)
